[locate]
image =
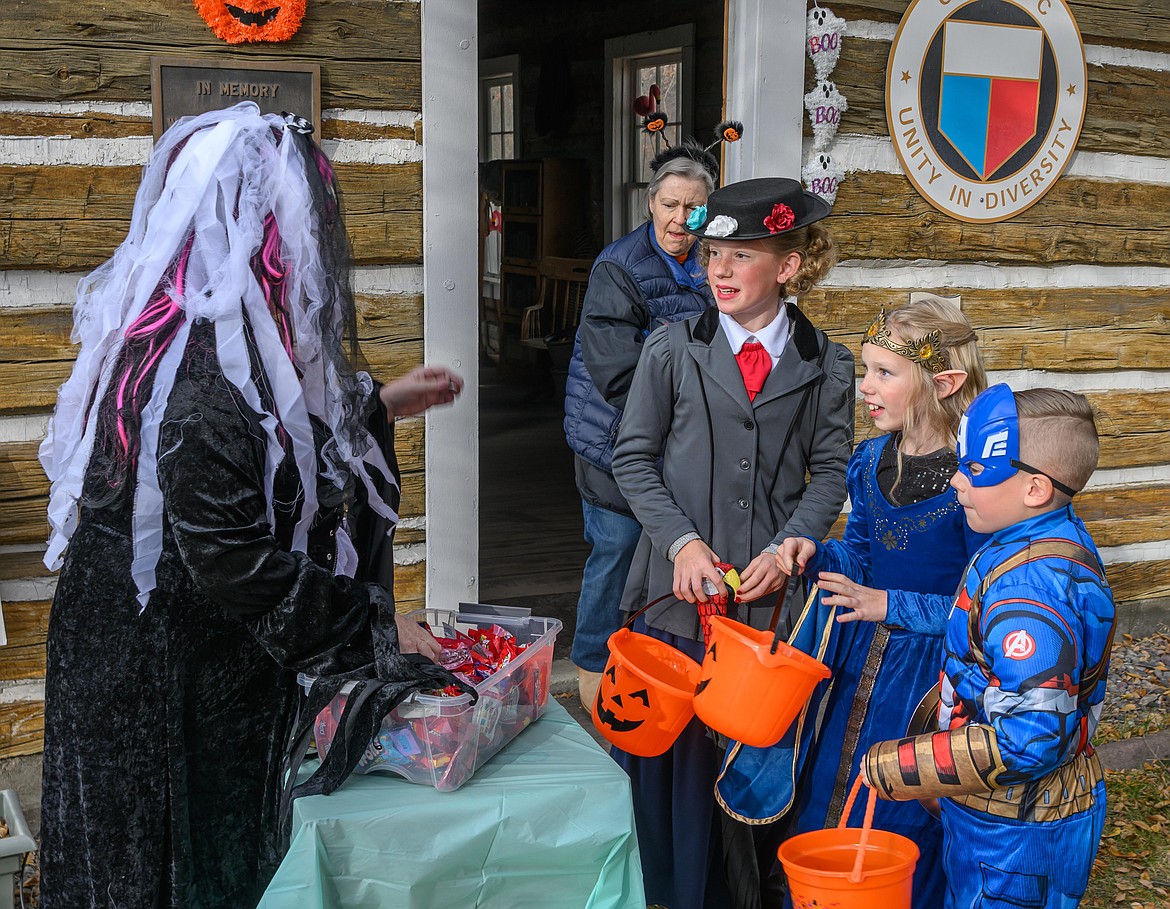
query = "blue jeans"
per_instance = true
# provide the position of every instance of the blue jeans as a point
(613, 537)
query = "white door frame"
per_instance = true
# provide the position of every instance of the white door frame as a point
(764, 73)
(450, 79)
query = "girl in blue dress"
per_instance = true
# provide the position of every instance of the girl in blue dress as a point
(897, 566)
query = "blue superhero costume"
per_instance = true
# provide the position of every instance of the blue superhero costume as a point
(1027, 650)
(880, 671)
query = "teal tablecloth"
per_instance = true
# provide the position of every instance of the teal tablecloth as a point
(547, 823)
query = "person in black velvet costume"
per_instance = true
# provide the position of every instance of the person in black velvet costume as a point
(203, 505)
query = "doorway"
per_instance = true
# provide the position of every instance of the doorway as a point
(547, 92)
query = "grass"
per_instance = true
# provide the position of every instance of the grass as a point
(1132, 870)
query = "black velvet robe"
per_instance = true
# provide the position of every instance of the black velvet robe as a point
(165, 728)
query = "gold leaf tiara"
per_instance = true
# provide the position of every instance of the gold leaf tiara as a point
(925, 350)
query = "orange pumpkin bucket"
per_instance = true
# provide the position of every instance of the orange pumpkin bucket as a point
(645, 697)
(753, 685)
(850, 867)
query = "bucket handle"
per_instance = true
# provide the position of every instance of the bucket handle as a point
(629, 622)
(776, 615)
(779, 605)
(856, 875)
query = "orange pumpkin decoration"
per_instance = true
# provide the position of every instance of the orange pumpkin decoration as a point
(644, 699)
(252, 20)
(626, 711)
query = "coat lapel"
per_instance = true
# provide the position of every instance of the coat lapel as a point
(712, 352)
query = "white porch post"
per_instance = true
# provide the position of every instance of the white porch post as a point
(451, 292)
(765, 87)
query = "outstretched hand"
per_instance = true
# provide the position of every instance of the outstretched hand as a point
(421, 388)
(866, 603)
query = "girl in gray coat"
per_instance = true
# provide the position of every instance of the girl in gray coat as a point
(736, 435)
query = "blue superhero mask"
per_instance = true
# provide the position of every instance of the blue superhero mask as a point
(989, 435)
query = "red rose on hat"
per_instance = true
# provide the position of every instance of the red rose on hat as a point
(781, 218)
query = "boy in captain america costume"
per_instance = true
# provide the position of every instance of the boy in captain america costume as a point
(1020, 788)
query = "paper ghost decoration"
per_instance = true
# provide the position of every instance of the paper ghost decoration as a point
(822, 176)
(823, 35)
(825, 105)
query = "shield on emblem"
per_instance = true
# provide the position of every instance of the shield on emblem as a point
(990, 91)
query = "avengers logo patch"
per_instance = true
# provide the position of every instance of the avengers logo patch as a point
(1019, 645)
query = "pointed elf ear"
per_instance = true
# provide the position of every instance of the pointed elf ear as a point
(947, 382)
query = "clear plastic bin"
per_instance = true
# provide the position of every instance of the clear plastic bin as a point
(442, 741)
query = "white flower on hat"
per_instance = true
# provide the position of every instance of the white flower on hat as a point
(721, 226)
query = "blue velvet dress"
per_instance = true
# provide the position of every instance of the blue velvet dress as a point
(880, 671)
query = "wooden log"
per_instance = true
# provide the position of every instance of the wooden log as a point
(38, 353)
(369, 51)
(1115, 517)
(23, 661)
(1079, 329)
(1128, 111)
(22, 728)
(881, 216)
(1136, 581)
(112, 126)
(75, 126)
(20, 565)
(66, 217)
(86, 73)
(24, 494)
(364, 30)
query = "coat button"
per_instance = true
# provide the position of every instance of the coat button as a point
(749, 425)
(745, 463)
(742, 503)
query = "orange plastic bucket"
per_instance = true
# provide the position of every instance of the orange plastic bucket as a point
(850, 867)
(646, 692)
(746, 691)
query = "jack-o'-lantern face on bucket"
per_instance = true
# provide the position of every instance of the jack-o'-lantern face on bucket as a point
(626, 710)
(252, 20)
(711, 656)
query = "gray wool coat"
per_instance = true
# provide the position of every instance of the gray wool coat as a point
(695, 455)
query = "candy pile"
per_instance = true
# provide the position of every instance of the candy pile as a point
(440, 739)
(476, 655)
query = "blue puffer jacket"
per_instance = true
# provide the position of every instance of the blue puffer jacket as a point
(634, 287)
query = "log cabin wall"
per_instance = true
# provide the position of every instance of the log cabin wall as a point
(75, 130)
(1074, 292)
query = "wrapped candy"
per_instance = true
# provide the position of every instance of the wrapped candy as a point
(441, 738)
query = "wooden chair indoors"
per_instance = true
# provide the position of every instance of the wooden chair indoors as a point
(562, 293)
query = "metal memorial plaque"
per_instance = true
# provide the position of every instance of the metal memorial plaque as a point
(185, 86)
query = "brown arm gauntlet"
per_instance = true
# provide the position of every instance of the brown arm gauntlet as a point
(954, 763)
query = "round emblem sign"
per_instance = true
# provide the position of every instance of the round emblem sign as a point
(985, 102)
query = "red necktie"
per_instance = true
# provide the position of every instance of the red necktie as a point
(754, 365)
